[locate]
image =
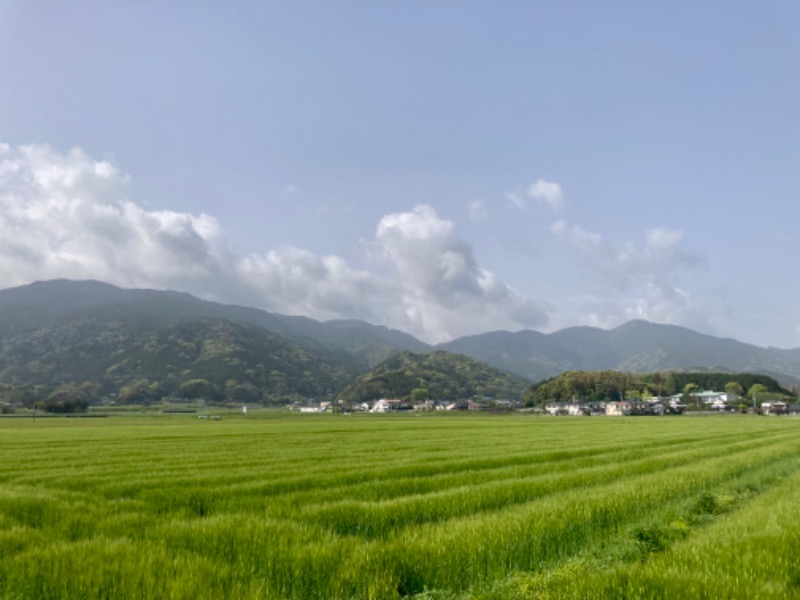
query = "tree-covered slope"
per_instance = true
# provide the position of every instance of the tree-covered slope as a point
(115, 352)
(444, 375)
(226, 353)
(49, 303)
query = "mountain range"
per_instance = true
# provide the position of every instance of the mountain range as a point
(61, 331)
(636, 346)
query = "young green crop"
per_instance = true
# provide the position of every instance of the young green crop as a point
(345, 506)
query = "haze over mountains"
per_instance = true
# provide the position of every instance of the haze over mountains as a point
(61, 330)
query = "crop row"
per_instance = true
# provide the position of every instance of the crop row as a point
(251, 510)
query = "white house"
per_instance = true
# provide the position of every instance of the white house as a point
(710, 398)
(385, 405)
(556, 408)
(618, 409)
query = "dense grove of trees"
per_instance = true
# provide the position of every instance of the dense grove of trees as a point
(598, 386)
(435, 375)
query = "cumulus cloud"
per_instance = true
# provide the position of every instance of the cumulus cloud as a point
(548, 193)
(444, 289)
(70, 216)
(67, 215)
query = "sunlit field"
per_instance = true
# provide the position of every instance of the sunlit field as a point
(368, 506)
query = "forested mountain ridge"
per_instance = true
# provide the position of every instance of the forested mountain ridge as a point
(59, 332)
(114, 355)
(46, 304)
(636, 346)
(65, 332)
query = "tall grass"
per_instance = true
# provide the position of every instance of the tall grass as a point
(751, 553)
(339, 507)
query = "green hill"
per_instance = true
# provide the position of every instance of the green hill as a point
(614, 385)
(444, 375)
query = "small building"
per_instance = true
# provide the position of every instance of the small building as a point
(556, 408)
(425, 406)
(617, 409)
(710, 398)
(575, 409)
(476, 406)
(457, 405)
(385, 405)
(777, 407)
(720, 405)
(639, 408)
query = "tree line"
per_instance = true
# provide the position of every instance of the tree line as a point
(607, 386)
(68, 398)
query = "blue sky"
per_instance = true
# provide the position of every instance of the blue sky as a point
(445, 168)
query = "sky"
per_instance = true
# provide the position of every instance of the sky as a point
(444, 168)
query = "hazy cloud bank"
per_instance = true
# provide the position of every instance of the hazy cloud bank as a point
(644, 279)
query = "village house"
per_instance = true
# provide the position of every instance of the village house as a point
(457, 405)
(709, 399)
(617, 409)
(636, 408)
(385, 405)
(425, 406)
(575, 409)
(557, 408)
(476, 406)
(776, 407)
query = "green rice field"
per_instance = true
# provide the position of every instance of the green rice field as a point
(369, 506)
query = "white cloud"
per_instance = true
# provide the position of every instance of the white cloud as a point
(517, 199)
(67, 215)
(663, 238)
(580, 237)
(547, 192)
(444, 289)
(543, 192)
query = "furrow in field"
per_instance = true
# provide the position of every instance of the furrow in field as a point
(210, 494)
(382, 488)
(296, 560)
(380, 519)
(749, 553)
